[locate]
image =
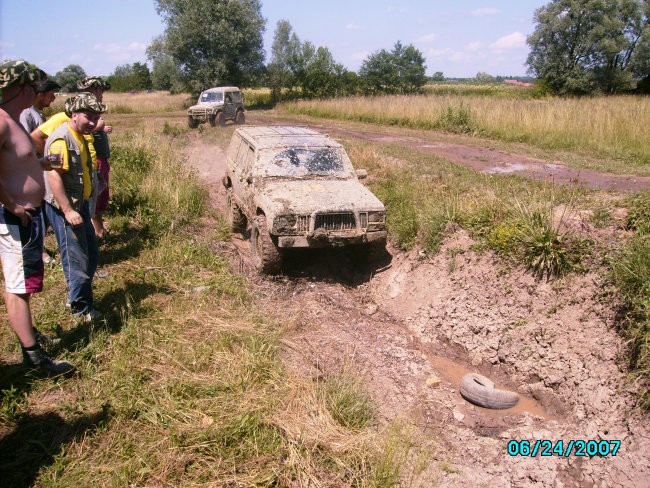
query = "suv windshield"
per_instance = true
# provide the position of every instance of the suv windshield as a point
(211, 97)
(300, 162)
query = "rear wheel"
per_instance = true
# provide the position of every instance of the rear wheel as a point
(191, 123)
(236, 219)
(213, 120)
(240, 118)
(266, 256)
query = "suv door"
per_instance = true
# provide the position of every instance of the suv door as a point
(229, 106)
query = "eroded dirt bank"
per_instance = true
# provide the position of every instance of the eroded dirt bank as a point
(407, 319)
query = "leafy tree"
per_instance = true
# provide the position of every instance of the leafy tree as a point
(129, 77)
(398, 71)
(165, 74)
(142, 76)
(284, 54)
(69, 76)
(484, 77)
(214, 42)
(582, 46)
(317, 74)
(438, 76)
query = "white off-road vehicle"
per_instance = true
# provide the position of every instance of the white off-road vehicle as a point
(217, 105)
(297, 188)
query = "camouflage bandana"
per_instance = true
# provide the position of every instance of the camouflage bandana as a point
(93, 82)
(20, 71)
(84, 102)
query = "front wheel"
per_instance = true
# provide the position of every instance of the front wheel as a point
(220, 120)
(191, 123)
(266, 256)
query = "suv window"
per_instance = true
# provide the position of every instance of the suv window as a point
(236, 97)
(210, 97)
(308, 161)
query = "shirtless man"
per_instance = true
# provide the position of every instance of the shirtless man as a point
(22, 188)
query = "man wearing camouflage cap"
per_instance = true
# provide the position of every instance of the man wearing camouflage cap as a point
(99, 203)
(67, 202)
(21, 226)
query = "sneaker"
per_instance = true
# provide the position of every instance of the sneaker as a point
(88, 317)
(45, 341)
(101, 273)
(42, 361)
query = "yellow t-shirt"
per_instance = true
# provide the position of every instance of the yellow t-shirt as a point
(61, 146)
(56, 120)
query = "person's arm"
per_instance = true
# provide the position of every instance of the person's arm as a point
(56, 185)
(39, 138)
(101, 126)
(58, 189)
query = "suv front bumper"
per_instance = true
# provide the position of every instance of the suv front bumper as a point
(324, 239)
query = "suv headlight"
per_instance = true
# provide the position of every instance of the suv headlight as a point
(372, 220)
(284, 224)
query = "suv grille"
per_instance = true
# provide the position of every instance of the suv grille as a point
(335, 221)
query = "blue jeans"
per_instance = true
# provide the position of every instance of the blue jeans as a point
(79, 256)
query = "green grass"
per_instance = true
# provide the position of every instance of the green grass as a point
(631, 274)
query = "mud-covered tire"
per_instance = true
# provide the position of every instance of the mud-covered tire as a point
(240, 118)
(219, 120)
(266, 256)
(479, 390)
(191, 123)
(235, 217)
(213, 120)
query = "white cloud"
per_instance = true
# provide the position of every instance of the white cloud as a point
(137, 46)
(516, 40)
(482, 12)
(353, 26)
(111, 48)
(427, 37)
(474, 46)
(439, 53)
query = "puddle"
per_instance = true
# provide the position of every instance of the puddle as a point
(505, 168)
(453, 372)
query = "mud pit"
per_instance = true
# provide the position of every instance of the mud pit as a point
(409, 319)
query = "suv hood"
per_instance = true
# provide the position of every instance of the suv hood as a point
(307, 196)
(205, 105)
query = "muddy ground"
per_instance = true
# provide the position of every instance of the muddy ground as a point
(408, 319)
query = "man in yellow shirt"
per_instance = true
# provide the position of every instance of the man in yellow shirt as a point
(67, 202)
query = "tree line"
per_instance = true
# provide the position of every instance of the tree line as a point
(579, 47)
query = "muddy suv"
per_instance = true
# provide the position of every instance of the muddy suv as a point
(217, 105)
(297, 188)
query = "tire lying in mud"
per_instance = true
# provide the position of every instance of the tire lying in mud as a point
(479, 390)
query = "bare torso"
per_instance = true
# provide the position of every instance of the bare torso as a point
(21, 173)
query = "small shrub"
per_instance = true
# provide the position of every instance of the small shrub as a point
(546, 250)
(347, 402)
(638, 217)
(121, 109)
(174, 130)
(456, 119)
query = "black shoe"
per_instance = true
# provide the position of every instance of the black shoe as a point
(45, 341)
(41, 361)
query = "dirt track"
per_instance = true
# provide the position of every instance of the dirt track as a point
(408, 319)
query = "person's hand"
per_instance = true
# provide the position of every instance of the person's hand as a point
(73, 217)
(22, 212)
(108, 129)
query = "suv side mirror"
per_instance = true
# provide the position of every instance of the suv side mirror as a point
(362, 174)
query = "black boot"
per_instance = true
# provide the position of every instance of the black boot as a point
(40, 360)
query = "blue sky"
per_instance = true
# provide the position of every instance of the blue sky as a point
(459, 38)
